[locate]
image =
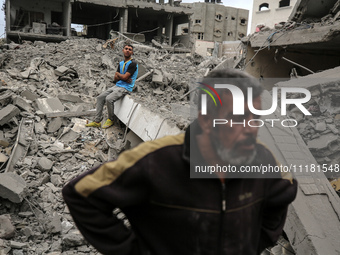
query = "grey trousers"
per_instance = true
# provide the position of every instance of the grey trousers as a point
(110, 96)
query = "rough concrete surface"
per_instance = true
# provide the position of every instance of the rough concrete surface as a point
(47, 146)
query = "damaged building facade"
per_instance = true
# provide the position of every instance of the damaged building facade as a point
(306, 44)
(51, 20)
(213, 23)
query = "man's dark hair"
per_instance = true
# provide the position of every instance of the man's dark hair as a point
(235, 77)
(127, 44)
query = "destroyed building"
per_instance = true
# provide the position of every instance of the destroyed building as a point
(47, 91)
(304, 53)
(171, 23)
(51, 20)
(213, 25)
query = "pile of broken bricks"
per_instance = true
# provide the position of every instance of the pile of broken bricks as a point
(47, 94)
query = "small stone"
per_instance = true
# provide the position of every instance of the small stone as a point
(321, 126)
(17, 245)
(18, 252)
(27, 231)
(56, 180)
(55, 225)
(73, 239)
(7, 230)
(25, 214)
(66, 226)
(45, 164)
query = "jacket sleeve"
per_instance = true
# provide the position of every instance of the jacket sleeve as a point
(280, 193)
(92, 197)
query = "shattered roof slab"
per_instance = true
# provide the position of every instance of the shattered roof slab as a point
(317, 37)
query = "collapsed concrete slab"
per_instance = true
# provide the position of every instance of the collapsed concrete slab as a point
(144, 123)
(12, 187)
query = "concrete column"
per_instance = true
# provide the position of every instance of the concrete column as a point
(123, 20)
(8, 16)
(160, 29)
(171, 2)
(161, 1)
(169, 28)
(67, 11)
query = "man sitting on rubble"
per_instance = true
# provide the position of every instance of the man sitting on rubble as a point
(125, 78)
(172, 213)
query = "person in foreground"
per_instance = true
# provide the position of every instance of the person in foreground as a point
(125, 78)
(170, 212)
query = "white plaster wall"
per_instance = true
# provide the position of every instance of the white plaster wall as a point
(271, 16)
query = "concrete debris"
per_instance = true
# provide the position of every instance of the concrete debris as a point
(45, 164)
(54, 125)
(22, 104)
(12, 187)
(73, 238)
(17, 245)
(50, 93)
(48, 105)
(7, 113)
(320, 131)
(7, 230)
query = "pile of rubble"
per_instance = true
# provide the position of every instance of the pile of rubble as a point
(47, 93)
(320, 131)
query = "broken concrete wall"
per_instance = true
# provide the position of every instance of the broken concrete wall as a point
(23, 13)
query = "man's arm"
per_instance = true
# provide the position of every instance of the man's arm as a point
(281, 193)
(129, 72)
(124, 77)
(92, 197)
(116, 78)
